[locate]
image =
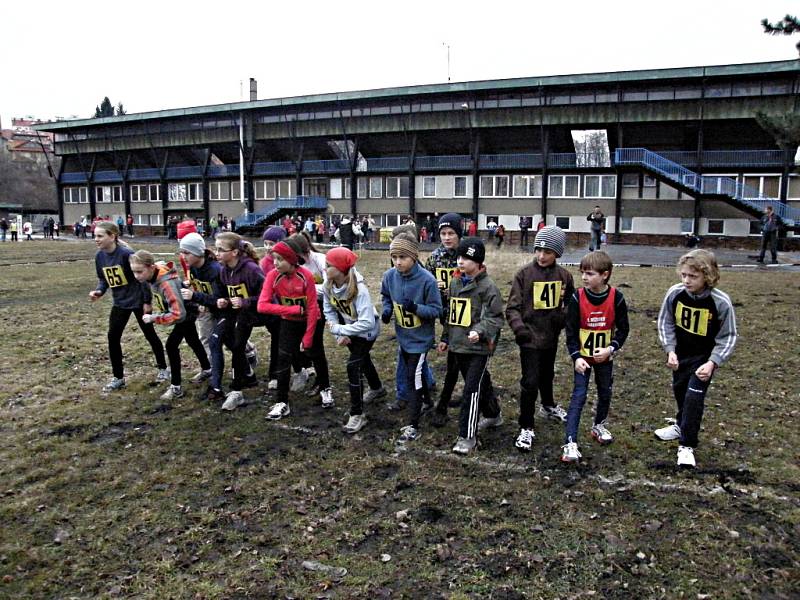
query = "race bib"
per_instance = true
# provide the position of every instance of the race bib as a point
(693, 320)
(546, 295)
(294, 301)
(115, 276)
(343, 306)
(201, 286)
(592, 339)
(405, 319)
(444, 275)
(460, 312)
(237, 291)
(158, 304)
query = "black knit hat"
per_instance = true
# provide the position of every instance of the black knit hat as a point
(453, 221)
(473, 249)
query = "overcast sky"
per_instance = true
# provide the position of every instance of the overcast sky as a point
(62, 58)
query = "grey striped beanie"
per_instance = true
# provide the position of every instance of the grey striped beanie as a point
(551, 238)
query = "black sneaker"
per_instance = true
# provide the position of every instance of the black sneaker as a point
(249, 381)
(214, 395)
(438, 419)
(396, 405)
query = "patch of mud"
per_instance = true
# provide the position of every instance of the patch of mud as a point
(114, 431)
(429, 514)
(66, 430)
(388, 471)
(159, 409)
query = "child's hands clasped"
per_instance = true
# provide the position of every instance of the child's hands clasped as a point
(601, 355)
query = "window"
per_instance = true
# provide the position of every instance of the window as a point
(284, 188)
(755, 228)
(195, 192)
(177, 192)
(459, 186)
(687, 225)
(116, 193)
(140, 220)
(75, 195)
(527, 186)
(218, 190)
(599, 186)
(108, 193)
(764, 186)
(649, 181)
(494, 186)
(362, 183)
(140, 193)
(347, 188)
(392, 220)
(564, 186)
(626, 224)
(429, 187)
(155, 219)
(236, 193)
(563, 223)
(336, 188)
(716, 226)
(630, 180)
(155, 192)
(376, 187)
(397, 187)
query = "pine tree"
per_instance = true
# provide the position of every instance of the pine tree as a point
(784, 128)
(106, 109)
(120, 109)
(787, 26)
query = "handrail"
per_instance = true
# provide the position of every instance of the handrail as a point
(275, 206)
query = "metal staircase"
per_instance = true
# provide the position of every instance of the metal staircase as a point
(737, 194)
(255, 221)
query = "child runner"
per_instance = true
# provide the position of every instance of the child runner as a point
(474, 320)
(112, 264)
(697, 328)
(536, 312)
(272, 235)
(169, 309)
(410, 293)
(289, 293)
(352, 318)
(597, 327)
(202, 292)
(241, 280)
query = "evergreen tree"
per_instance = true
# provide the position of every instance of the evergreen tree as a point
(784, 128)
(787, 26)
(106, 109)
(120, 109)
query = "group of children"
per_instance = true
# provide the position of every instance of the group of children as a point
(296, 292)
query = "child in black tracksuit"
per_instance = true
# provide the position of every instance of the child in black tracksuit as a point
(697, 328)
(474, 318)
(597, 327)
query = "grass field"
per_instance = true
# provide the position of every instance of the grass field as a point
(122, 495)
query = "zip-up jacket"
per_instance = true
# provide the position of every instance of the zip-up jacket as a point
(168, 307)
(536, 309)
(474, 304)
(244, 280)
(697, 326)
(352, 318)
(291, 297)
(442, 263)
(415, 332)
(206, 283)
(581, 342)
(114, 271)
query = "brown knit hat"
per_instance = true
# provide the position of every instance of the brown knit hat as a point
(405, 244)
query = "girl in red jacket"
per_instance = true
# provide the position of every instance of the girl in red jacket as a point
(289, 292)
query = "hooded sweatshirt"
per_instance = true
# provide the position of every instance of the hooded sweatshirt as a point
(415, 332)
(114, 271)
(356, 317)
(165, 285)
(292, 297)
(244, 280)
(206, 283)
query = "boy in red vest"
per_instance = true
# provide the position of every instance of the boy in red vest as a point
(597, 327)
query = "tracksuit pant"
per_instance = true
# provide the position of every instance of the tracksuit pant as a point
(476, 400)
(415, 380)
(690, 395)
(360, 363)
(538, 371)
(184, 331)
(232, 330)
(289, 339)
(117, 320)
(450, 381)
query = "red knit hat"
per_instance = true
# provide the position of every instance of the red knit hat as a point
(341, 258)
(184, 227)
(285, 252)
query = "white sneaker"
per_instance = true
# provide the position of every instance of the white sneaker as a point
(371, 395)
(525, 440)
(173, 391)
(233, 400)
(311, 377)
(163, 375)
(668, 433)
(487, 422)
(601, 434)
(555, 412)
(327, 398)
(201, 376)
(251, 354)
(273, 384)
(570, 453)
(278, 411)
(299, 380)
(686, 457)
(114, 384)
(355, 424)
(409, 433)
(465, 445)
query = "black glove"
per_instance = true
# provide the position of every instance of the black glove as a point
(410, 306)
(523, 336)
(386, 317)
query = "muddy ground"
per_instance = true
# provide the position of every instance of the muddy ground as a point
(123, 495)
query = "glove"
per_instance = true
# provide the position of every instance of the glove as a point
(386, 317)
(523, 336)
(410, 306)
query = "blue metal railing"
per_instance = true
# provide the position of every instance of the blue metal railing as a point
(435, 163)
(723, 186)
(325, 166)
(510, 161)
(144, 174)
(274, 168)
(107, 176)
(194, 172)
(727, 158)
(275, 206)
(397, 163)
(223, 170)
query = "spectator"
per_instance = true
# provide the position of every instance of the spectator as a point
(500, 234)
(524, 226)
(3, 229)
(129, 223)
(491, 226)
(769, 235)
(472, 229)
(598, 225)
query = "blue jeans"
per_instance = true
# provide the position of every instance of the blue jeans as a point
(400, 377)
(603, 378)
